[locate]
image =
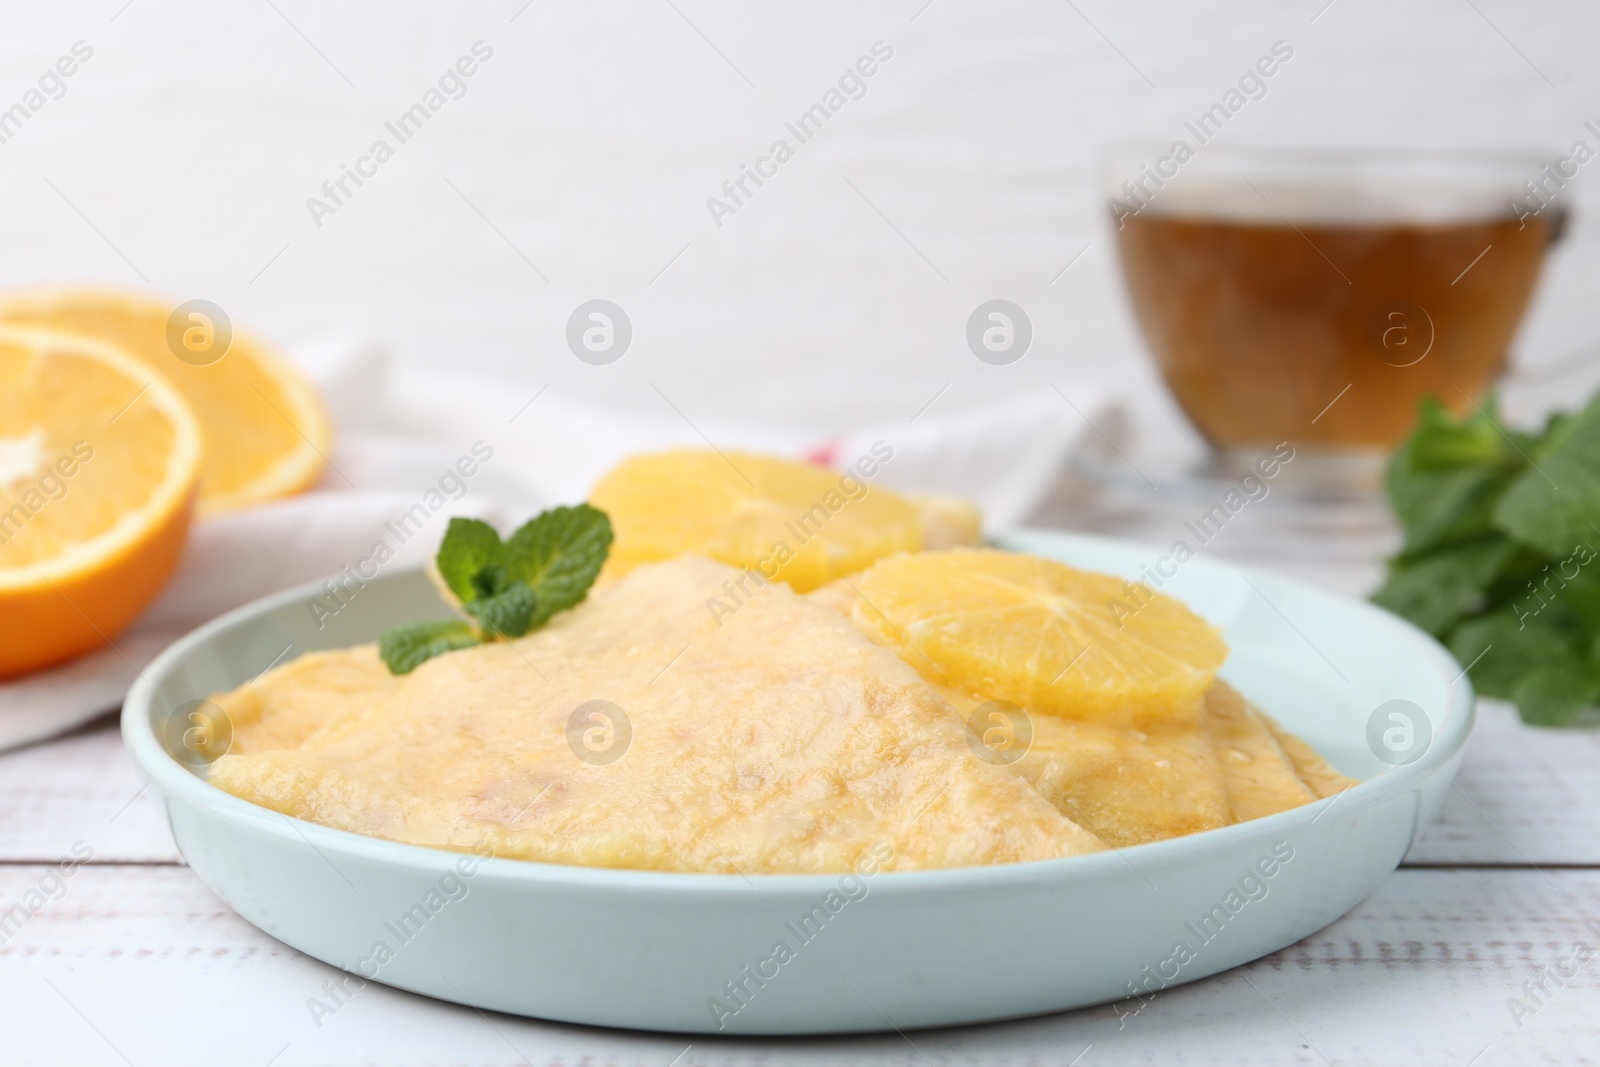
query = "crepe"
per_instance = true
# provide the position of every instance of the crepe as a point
(1133, 785)
(287, 705)
(777, 739)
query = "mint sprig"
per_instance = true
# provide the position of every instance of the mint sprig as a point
(1501, 559)
(507, 588)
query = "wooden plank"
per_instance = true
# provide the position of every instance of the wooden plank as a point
(144, 963)
(1525, 795)
(82, 787)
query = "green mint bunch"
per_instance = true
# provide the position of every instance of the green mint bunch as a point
(1501, 559)
(506, 588)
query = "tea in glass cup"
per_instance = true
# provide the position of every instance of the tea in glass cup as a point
(1317, 297)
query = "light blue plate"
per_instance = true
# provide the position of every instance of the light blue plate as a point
(699, 953)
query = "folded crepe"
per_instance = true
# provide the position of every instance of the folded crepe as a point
(641, 729)
(1133, 785)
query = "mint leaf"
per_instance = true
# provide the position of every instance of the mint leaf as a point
(1448, 507)
(468, 547)
(558, 554)
(1500, 534)
(1445, 441)
(1439, 590)
(403, 648)
(508, 612)
(502, 605)
(1446, 478)
(490, 581)
(1564, 593)
(1502, 647)
(1555, 504)
(1552, 694)
(1579, 606)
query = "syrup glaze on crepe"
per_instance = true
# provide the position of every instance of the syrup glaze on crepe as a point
(1133, 783)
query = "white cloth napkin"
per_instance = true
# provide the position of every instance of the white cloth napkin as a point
(402, 435)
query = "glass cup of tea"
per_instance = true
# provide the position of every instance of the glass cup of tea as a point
(1316, 297)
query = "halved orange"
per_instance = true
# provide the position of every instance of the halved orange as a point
(99, 459)
(266, 433)
(797, 522)
(1041, 634)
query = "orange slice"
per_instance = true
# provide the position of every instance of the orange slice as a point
(1041, 634)
(99, 459)
(797, 522)
(265, 430)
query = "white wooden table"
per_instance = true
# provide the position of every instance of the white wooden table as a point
(138, 963)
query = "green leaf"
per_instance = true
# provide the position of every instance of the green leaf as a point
(558, 554)
(1501, 647)
(1564, 592)
(1511, 585)
(508, 612)
(1443, 440)
(1499, 528)
(468, 547)
(1446, 478)
(1449, 507)
(1552, 694)
(1555, 504)
(1438, 590)
(490, 580)
(403, 648)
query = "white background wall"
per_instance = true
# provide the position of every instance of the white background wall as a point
(593, 137)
